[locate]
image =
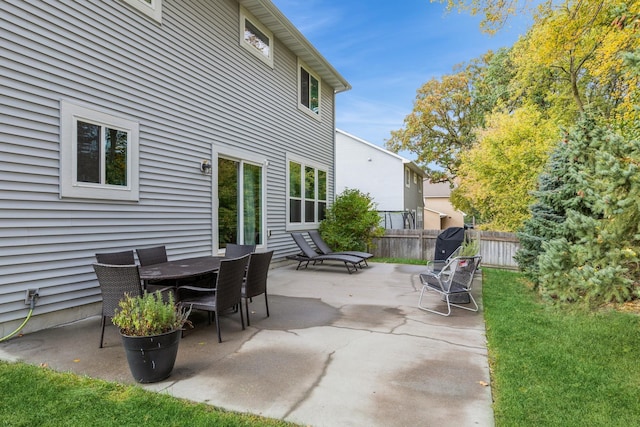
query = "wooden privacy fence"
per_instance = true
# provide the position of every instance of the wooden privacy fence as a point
(497, 248)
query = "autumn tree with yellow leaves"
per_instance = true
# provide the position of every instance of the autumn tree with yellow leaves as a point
(575, 72)
(497, 174)
(479, 126)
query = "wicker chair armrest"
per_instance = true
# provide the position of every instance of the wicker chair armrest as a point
(196, 289)
(165, 289)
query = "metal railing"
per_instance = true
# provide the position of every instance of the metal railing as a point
(401, 220)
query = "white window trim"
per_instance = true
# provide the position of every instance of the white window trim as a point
(304, 162)
(70, 113)
(153, 10)
(245, 157)
(301, 106)
(407, 177)
(246, 15)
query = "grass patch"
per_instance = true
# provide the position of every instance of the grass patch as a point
(553, 367)
(34, 396)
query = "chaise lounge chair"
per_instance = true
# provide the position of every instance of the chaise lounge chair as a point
(309, 255)
(324, 249)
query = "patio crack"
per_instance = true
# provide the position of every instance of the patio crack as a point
(307, 394)
(400, 324)
(440, 340)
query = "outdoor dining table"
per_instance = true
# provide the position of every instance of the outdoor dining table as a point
(181, 268)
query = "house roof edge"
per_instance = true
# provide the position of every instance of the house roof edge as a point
(270, 16)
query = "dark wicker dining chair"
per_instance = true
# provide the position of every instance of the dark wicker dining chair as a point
(234, 250)
(150, 256)
(226, 295)
(255, 282)
(116, 258)
(115, 281)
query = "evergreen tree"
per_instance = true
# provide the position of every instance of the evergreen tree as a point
(594, 256)
(547, 214)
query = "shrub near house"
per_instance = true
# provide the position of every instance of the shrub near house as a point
(351, 222)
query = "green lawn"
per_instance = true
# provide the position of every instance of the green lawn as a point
(551, 367)
(34, 396)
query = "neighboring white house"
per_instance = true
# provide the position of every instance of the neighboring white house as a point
(393, 182)
(439, 213)
(134, 123)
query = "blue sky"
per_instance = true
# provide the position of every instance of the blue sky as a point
(386, 51)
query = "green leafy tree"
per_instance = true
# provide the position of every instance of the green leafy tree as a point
(352, 222)
(495, 12)
(627, 19)
(595, 258)
(577, 55)
(572, 51)
(440, 126)
(573, 56)
(498, 174)
(491, 79)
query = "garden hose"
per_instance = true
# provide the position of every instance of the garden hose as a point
(32, 306)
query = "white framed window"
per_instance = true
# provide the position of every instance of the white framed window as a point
(151, 8)
(306, 193)
(241, 199)
(255, 37)
(99, 154)
(407, 177)
(415, 178)
(309, 90)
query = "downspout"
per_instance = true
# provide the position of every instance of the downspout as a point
(345, 88)
(333, 174)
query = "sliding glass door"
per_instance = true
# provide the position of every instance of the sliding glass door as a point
(240, 195)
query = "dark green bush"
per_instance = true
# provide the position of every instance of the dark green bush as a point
(352, 222)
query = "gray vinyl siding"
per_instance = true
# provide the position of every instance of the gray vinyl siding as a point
(192, 88)
(413, 199)
(413, 196)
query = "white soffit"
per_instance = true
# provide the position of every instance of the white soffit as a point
(270, 16)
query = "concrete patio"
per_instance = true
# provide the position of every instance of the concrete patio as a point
(337, 350)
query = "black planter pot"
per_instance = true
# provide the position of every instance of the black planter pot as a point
(151, 358)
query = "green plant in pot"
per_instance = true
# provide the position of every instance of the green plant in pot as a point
(151, 327)
(471, 245)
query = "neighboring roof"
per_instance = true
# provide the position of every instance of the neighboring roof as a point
(440, 189)
(270, 16)
(442, 215)
(406, 162)
(362, 141)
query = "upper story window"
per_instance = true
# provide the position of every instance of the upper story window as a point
(255, 37)
(307, 194)
(151, 8)
(99, 154)
(407, 177)
(308, 90)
